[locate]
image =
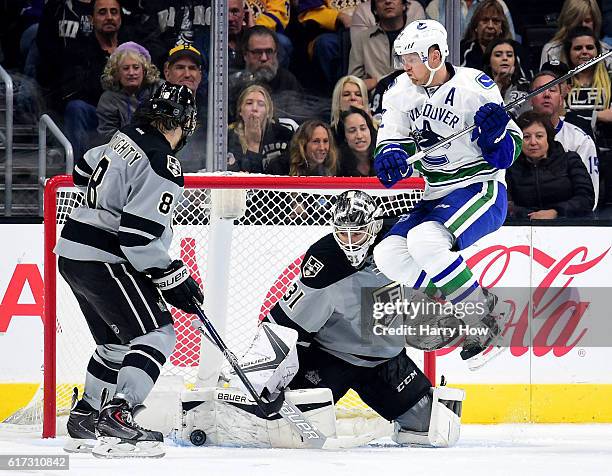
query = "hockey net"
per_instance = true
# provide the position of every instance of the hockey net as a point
(243, 238)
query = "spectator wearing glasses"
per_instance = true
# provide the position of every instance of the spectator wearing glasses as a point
(273, 14)
(260, 52)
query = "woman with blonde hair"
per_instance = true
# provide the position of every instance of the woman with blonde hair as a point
(348, 91)
(312, 152)
(574, 13)
(255, 139)
(128, 80)
(591, 89)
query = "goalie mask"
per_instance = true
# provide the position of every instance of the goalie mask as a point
(355, 223)
(174, 105)
(418, 37)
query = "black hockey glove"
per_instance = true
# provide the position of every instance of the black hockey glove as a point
(177, 287)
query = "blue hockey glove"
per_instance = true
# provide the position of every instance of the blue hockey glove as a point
(491, 121)
(391, 165)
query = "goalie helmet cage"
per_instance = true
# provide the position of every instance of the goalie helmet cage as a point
(243, 238)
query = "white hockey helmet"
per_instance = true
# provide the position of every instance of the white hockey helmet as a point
(418, 37)
(355, 223)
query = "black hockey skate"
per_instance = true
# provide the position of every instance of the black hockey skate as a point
(81, 426)
(474, 347)
(120, 436)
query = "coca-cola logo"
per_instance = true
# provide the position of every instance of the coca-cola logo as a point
(559, 318)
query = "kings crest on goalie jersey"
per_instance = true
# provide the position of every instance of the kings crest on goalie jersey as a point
(113, 253)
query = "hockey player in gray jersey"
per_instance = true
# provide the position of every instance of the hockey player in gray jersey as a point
(326, 307)
(113, 253)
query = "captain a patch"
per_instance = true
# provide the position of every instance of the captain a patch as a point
(312, 267)
(174, 166)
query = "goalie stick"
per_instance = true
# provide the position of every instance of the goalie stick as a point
(309, 433)
(419, 155)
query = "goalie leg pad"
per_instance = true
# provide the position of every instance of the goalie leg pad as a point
(433, 421)
(229, 418)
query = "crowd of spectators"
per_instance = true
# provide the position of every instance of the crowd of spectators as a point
(306, 79)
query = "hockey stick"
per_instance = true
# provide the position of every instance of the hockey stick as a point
(268, 408)
(309, 433)
(517, 102)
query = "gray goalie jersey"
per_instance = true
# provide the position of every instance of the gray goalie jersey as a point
(331, 306)
(131, 188)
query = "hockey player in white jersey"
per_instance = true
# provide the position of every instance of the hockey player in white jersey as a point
(465, 195)
(327, 307)
(113, 253)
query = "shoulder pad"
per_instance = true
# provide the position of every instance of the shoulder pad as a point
(325, 264)
(158, 151)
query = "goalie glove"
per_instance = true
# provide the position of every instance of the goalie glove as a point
(391, 165)
(177, 286)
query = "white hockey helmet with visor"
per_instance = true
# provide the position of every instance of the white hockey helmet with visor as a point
(418, 37)
(355, 223)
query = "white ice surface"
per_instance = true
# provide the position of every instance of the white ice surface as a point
(517, 450)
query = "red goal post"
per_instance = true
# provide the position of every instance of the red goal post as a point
(251, 260)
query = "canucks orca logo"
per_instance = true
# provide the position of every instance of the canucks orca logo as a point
(485, 81)
(426, 138)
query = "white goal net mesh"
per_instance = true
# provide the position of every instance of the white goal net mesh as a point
(244, 266)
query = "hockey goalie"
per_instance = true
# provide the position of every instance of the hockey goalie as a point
(313, 347)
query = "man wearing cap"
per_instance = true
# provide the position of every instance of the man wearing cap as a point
(184, 66)
(571, 137)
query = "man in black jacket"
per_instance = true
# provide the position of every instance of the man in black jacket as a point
(81, 88)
